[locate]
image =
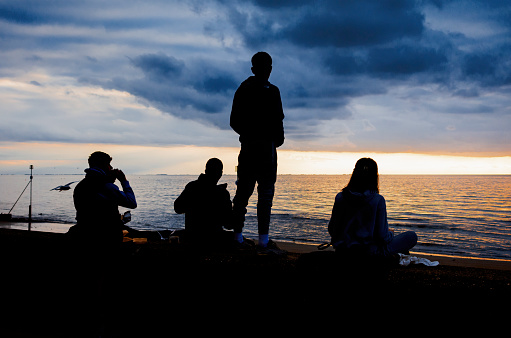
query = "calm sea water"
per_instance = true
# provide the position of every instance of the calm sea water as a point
(457, 215)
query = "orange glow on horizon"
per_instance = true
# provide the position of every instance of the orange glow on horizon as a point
(191, 160)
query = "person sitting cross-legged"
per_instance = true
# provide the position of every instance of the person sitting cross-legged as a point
(207, 207)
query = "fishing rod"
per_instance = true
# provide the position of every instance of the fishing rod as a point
(21, 195)
(8, 215)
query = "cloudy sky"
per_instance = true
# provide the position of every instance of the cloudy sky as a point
(422, 86)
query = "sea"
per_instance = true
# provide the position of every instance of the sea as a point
(452, 215)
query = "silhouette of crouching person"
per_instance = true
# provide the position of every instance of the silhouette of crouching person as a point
(207, 207)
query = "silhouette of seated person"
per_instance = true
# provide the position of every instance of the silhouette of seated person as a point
(207, 207)
(93, 256)
(358, 225)
(97, 200)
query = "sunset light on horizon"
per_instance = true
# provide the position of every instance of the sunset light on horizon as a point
(190, 160)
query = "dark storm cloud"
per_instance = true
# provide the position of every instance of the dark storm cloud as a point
(88, 13)
(382, 40)
(196, 89)
(327, 22)
(405, 60)
(345, 42)
(36, 12)
(488, 68)
(354, 23)
(369, 37)
(162, 67)
(159, 66)
(186, 58)
(221, 83)
(395, 61)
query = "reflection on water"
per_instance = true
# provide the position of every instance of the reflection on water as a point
(463, 215)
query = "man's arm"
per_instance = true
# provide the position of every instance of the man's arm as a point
(278, 132)
(125, 198)
(181, 203)
(236, 120)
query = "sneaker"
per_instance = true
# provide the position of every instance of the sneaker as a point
(271, 249)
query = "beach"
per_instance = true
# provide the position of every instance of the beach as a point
(38, 276)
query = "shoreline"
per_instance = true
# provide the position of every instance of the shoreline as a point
(295, 248)
(449, 260)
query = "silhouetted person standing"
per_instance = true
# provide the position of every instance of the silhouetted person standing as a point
(257, 117)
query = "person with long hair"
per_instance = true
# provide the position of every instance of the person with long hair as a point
(359, 217)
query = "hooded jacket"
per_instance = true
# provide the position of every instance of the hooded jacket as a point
(360, 219)
(97, 202)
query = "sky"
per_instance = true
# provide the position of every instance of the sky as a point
(423, 87)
